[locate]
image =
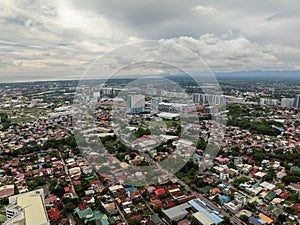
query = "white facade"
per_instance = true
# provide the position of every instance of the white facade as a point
(287, 102)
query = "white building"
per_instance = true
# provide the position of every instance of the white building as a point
(268, 102)
(27, 208)
(297, 102)
(287, 102)
(209, 98)
(136, 104)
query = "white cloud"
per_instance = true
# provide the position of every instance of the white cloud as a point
(230, 54)
(204, 9)
(66, 36)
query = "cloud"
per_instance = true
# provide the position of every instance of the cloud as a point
(223, 54)
(64, 37)
(204, 9)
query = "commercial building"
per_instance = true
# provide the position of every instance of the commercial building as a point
(201, 211)
(136, 104)
(27, 208)
(287, 102)
(154, 106)
(209, 98)
(268, 102)
(177, 213)
(203, 219)
(297, 102)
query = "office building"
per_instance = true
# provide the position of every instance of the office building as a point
(136, 104)
(287, 102)
(268, 102)
(297, 102)
(27, 208)
(209, 98)
(154, 106)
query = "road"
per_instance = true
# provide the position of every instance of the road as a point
(71, 219)
(68, 174)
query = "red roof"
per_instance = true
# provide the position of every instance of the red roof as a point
(159, 191)
(157, 203)
(53, 211)
(82, 207)
(284, 195)
(55, 217)
(107, 103)
(95, 182)
(296, 207)
(50, 199)
(67, 189)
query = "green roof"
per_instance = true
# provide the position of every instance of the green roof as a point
(295, 168)
(100, 218)
(113, 219)
(216, 179)
(270, 207)
(254, 199)
(91, 178)
(84, 213)
(156, 219)
(204, 189)
(270, 196)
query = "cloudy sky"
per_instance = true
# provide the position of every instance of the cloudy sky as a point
(59, 39)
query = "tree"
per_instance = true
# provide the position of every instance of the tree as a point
(239, 181)
(134, 222)
(294, 197)
(226, 221)
(281, 218)
(69, 207)
(244, 218)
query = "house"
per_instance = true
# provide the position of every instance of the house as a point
(214, 191)
(265, 218)
(51, 200)
(156, 203)
(156, 220)
(54, 214)
(110, 208)
(85, 213)
(159, 191)
(221, 160)
(75, 171)
(294, 187)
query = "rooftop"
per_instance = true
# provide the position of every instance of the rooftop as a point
(32, 202)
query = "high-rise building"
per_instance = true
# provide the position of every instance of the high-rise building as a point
(208, 98)
(154, 106)
(297, 102)
(136, 104)
(269, 102)
(287, 102)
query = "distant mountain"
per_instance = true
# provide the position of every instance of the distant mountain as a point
(261, 75)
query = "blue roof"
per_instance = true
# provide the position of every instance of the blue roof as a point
(198, 156)
(255, 221)
(211, 215)
(224, 198)
(131, 188)
(281, 129)
(256, 185)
